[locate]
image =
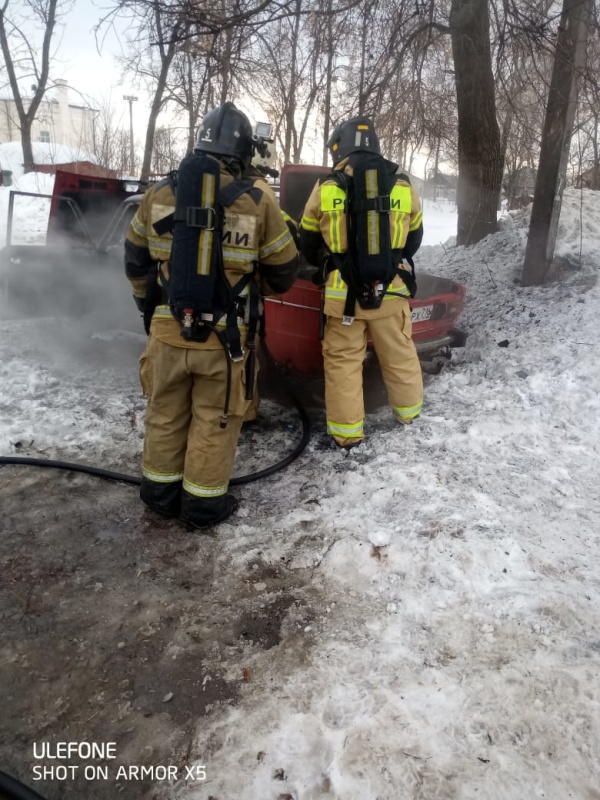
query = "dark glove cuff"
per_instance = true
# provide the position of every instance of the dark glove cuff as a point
(140, 302)
(319, 276)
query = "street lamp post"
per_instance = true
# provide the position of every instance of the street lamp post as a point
(130, 99)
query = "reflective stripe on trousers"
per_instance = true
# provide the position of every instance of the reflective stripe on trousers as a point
(184, 439)
(344, 349)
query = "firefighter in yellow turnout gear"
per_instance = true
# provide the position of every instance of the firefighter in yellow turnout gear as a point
(339, 231)
(188, 453)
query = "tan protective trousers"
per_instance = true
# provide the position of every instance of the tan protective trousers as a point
(344, 348)
(186, 396)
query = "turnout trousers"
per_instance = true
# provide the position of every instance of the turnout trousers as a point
(344, 348)
(188, 458)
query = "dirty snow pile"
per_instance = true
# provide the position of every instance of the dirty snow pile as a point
(453, 634)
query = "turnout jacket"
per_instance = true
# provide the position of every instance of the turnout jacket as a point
(321, 228)
(254, 233)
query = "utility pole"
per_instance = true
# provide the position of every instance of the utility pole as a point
(130, 99)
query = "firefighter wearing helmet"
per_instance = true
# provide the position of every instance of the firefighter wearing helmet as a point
(202, 247)
(360, 227)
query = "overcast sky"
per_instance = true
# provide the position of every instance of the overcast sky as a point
(95, 74)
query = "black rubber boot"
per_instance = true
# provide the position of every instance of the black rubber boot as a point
(162, 497)
(203, 512)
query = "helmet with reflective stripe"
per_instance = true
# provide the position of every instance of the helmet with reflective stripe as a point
(356, 135)
(226, 131)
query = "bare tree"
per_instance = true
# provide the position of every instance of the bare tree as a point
(151, 46)
(23, 62)
(191, 82)
(108, 142)
(479, 147)
(287, 75)
(168, 151)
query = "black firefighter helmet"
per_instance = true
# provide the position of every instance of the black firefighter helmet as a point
(356, 135)
(226, 131)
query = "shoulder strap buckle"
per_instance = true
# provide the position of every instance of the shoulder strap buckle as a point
(382, 203)
(236, 355)
(200, 218)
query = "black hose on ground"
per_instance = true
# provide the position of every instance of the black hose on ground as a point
(12, 789)
(133, 480)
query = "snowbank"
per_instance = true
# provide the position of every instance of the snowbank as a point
(11, 155)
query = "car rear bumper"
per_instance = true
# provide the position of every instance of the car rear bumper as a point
(453, 338)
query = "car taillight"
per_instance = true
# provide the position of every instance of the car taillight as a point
(454, 309)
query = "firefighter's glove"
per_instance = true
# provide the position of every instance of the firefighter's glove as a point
(140, 303)
(147, 317)
(293, 229)
(319, 276)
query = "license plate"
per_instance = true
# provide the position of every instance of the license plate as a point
(421, 313)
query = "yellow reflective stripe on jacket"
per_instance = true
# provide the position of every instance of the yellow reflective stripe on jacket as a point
(138, 227)
(162, 312)
(400, 208)
(204, 491)
(161, 477)
(205, 243)
(139, 286)
(396, 291)
(310, 224)
(275, 245)
(372, 187)
(397, 230)
(347, 431)
(416, 221)
(239, 254)
(333, 203)
(407, 412)
(335, 231)
(160, 246)
(338, 288)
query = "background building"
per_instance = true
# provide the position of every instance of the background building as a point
(57, 120)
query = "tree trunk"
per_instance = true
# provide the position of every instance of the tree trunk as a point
(569, 59)
(292, 98)
(151, 129)
(28, 162)
(479, 146)
(328, 84)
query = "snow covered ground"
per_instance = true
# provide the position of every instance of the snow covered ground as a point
(453, 645)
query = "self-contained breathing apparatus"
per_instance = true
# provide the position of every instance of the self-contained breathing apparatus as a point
(373, 257)
(199, 293)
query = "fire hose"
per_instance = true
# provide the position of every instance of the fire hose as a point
(11, 788)
(98, 472)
